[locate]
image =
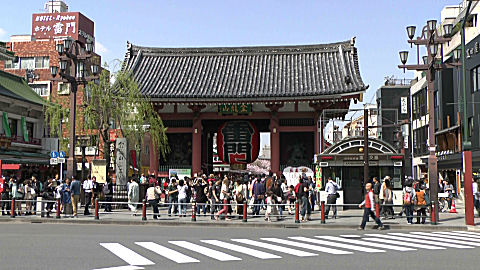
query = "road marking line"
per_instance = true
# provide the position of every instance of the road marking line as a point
(460, 234)
(286, 250)
(244, 250)
(340, 245)
(126, 267)
(448, 241)
(393, 242)
(167, 253)
(307, 246)
(350, 236)
(468, 233)
(359, 242)
(126, 254)
(217, 255)
(408, 239)
(449, 237)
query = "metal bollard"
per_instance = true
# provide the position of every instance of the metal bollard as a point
(297, 212)
(194, 210)
(58, 208)
(377, 209)
(244, 211)
(96, 209)
(12, 209)
(322, 210)
(144, 209)
(432, 213)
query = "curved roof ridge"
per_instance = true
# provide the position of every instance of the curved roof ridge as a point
(269, 49)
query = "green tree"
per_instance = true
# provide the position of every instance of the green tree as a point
(120, 103)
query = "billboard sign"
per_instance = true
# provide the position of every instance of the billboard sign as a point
(63, 24)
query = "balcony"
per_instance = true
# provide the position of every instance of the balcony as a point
(7, 142)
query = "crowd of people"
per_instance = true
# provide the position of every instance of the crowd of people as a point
(220, 197)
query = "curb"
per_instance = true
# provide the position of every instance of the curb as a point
(242, 225)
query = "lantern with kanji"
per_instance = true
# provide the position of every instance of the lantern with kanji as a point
(238, 142)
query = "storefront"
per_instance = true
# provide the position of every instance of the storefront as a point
(344, 163)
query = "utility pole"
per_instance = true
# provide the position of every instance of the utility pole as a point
(365, 145)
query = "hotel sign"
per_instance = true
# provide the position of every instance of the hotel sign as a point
(63, 24)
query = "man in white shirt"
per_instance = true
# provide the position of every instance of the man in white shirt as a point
(331, 189)
(88, 189)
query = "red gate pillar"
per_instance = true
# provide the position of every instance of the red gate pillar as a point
(469, 208)
(275, 146)
(196, 146)
(153, 157)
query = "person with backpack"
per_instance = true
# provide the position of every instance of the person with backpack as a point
(408, 200)
(108, 194)
(369, 208)
(332, 190)
(420, 204)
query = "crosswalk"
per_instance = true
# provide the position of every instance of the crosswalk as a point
(273, 248)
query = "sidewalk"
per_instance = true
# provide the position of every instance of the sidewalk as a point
(346, 219)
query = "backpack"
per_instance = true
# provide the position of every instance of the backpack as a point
(296, 188)
(106, 190)
(407, 198)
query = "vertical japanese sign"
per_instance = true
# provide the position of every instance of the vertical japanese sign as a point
(112, 155)
(318, 178)
(404, 105)
(121, 168)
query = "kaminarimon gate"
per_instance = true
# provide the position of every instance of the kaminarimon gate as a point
(237, 92)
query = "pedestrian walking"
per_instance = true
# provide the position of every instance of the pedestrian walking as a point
(172, 196)
(201, 191)
(420, 205)
(133, 195)
(67, 198)
(29, 192)
(259, 196)
(332, 191)
(225, 197)
(182, 198)
(88, 190)
(108, 194)
(75, 189)
(476, 195)
(388, 200)
(369, 208)
(302, 194)
(17, 193)
(153, 197)
(6, 197)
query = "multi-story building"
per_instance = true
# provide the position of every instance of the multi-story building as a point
(356, 126)
(393, 104)
(36, 52)
(23, 148)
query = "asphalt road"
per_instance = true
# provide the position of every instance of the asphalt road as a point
(87, 247)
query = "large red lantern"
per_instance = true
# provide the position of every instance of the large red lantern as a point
(238, 142)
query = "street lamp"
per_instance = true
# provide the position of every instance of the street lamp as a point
(430, 40)
(457, 54)
(75, 54)
(447, 30)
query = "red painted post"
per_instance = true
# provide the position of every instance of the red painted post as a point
(244, 211)
(58, 208)
(12, 209)
(96, 209)
(144, 210)
(322, 210)
(468, 184)
(377, 209)
(432, 213)
(297, 212)
(194, 211)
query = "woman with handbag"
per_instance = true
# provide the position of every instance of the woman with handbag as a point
(153, 195)
(225, 197)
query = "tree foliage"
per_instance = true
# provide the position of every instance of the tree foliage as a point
(120, 103)
(54, 114)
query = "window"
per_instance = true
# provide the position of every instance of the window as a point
(475, 73)
(27, 63)
(10, 64)
(63, 88)
(42, 62)
(40, 89)
(30, 131)
(419, 103)
(13, 126)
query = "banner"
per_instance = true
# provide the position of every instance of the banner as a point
(6, 126)
(179, 173)
(293, 174)
(24, 129)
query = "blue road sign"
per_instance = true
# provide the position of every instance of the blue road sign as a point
(61, 154)
(54, 154)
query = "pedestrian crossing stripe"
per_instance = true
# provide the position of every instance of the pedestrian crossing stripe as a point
(299, 246)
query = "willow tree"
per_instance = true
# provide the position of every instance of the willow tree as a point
(121, 103)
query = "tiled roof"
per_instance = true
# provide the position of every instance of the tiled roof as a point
(271, 72)
(16, 87)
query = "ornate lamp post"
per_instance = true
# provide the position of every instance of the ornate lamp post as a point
(431, 38)
(74, 59)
